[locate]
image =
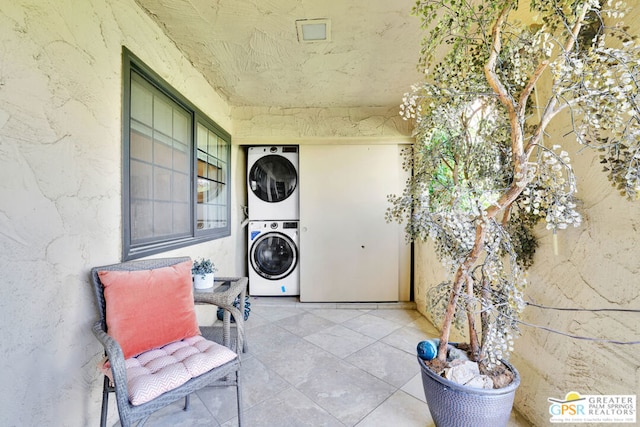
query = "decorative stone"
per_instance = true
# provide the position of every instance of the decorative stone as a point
(427, 350)
(480, 381)
(462, 372)
(456, 354)
(467, 373)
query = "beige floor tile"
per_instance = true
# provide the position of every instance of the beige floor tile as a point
(333, 365)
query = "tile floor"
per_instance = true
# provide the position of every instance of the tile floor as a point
(322, 365)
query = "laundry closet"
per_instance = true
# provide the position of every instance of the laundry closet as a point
(338, 248)
(273, 228)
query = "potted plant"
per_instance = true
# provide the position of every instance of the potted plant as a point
(203, 273)
(484, 172)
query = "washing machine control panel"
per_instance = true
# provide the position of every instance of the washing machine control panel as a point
(287, 225)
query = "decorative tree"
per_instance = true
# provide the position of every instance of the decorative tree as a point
(483, 172)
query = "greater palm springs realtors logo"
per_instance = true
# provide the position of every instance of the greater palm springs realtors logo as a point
(575, 408)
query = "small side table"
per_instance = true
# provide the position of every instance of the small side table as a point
(224, 293)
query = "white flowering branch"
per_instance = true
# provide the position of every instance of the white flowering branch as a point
(479, 150)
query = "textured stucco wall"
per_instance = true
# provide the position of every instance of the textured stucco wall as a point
(597, 266)
(60, 201)
(262, 125)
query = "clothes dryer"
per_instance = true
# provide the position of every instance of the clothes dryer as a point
(272, 181)
(273, 258)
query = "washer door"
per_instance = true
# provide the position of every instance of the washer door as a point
(273, 178)
(273, 255)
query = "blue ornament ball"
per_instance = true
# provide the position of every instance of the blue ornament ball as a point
(428, 350)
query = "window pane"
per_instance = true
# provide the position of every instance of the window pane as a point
(209, 217)
(222, 172)
(181, 218)
(181, 126)
(162, 150)
(140, 183)
(221, 195)
(181, 188)
(162, 115)
(212, 146)
(222, 214)
(181, 157)
(141, 219)
(200, 214)
(202, 190)
(222, 149)
(162, 219)
(203, 138)
(141, 100)
(161, 184)
(212, 168)
(202, 164)
(140, 141)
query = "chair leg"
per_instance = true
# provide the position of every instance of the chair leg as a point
(239, 398)
(105, 402)
(186, 402)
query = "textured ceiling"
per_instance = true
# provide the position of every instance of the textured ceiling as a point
(249, 49)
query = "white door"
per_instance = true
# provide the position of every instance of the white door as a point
(348, 252)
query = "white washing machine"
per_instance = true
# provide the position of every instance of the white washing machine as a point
(272, 181)
(273, 258)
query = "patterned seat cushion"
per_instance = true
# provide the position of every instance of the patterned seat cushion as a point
(157, 371)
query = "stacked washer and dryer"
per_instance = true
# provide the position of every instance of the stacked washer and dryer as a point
(273, 203)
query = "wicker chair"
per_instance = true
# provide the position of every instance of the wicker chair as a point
(227, 374)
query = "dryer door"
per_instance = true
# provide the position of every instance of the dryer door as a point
(273, 178)
(273, 255)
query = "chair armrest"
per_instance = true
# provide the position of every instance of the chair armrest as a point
(116, 360)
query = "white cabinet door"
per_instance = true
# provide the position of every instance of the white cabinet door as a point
(347, 250)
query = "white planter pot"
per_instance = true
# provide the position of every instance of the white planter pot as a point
(203, 282)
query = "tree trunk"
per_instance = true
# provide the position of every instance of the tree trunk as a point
(484, 315)
(460, 278)
(471, 319)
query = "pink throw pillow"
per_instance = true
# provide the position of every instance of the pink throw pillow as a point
(147, 309)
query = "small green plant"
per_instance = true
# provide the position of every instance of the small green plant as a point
(202, 267)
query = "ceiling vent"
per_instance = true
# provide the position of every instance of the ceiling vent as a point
(313, 30)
